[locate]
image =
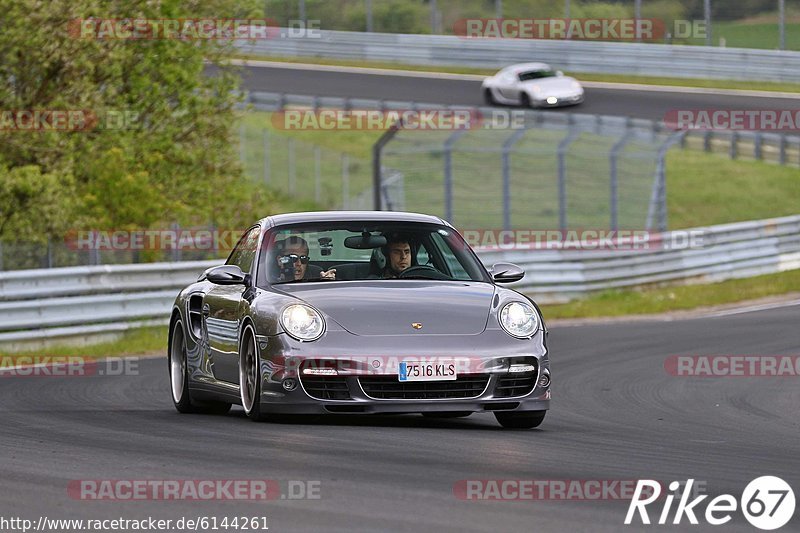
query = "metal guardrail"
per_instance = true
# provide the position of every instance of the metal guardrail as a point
(677, 61)
(103, 300)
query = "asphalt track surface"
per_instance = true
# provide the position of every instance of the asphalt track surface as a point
(616, 415)
(647, 104)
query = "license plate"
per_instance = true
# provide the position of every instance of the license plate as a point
(427, 371)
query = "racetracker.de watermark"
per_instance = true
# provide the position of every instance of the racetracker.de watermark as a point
(584, 239)
(544, 489)
(733, 119)
(66, 120)
(66, 366)
(594, 29)
(191, 29)
(193, 489)
(330, 119)
(726, 366)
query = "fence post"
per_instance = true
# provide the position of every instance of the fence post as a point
(734, 141)
(266, 156)
(317, 174)
(507, 145)
(448, 173)
(563, 146)
(658, 196)
(1, 256)
(292, 172)
(707, 140)
(345, 181)
(613, 155)
(384, 139)
(49, 252)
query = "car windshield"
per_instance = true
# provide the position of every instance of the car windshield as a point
(350, 251)
(536, 75)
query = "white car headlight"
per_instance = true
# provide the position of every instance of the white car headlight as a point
(519, 319)
(302, 322)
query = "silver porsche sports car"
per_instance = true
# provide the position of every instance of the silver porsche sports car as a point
(358, 312)
(532, 85)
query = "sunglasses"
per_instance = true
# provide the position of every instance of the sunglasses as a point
(293, 258)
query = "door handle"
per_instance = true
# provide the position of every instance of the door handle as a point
(206, 310)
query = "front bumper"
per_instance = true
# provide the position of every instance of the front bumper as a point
(560, 101)
(370, 384)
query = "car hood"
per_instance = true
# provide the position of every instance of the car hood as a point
(553, 84)
(387, 307)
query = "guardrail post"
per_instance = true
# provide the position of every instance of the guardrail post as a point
(448, 173)
(317, 174)
(266, 157)
(345, 181)
(49, 252)
(757, 142)
(507, 145)
(292, 171)
(734, 144)
(707, 140)
(782, 149)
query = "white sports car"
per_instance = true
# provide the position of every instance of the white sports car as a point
(532, 85)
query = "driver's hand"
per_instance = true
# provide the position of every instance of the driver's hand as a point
(328, 274)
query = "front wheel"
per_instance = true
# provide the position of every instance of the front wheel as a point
(520, 419)
(525, 101)
(488, 97)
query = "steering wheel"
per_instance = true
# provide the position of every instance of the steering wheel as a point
(422, 271)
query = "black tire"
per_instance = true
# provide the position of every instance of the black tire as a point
(249, 376)
(488, 98)
(178, 373)
(179, 377)
(525, 101)
(448, 414)
(520, 419)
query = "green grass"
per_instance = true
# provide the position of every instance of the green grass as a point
(752, 34)
(676, 298)
(583, 76)
(702, 188)
(705, 189)
(142, 341)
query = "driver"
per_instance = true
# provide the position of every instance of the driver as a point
(398, 252)
(292, 259)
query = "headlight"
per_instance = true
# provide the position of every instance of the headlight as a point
(302, 322)
(519, 319)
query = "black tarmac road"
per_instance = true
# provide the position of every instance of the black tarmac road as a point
(649, 104)
(617, 415)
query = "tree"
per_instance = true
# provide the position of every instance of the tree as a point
(157, 143)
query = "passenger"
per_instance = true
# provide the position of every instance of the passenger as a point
(292, 259)
(398, 252)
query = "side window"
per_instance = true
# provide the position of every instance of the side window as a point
(245, 251)
(456, 268)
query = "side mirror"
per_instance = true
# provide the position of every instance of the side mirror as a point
(506, 272)
(559, 74)
(226, 275)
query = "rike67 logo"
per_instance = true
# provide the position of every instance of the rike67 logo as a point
(767, 503)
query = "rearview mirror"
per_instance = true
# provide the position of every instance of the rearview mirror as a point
(506, 272)
(226, 275)
(365, 241)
